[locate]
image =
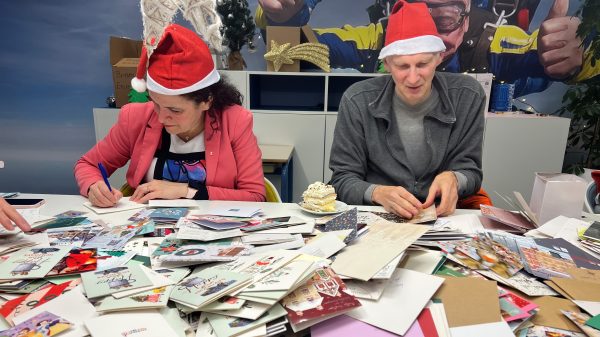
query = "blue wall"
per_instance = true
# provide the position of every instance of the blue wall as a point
(54, 69)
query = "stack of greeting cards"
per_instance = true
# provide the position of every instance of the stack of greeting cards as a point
(204, 286)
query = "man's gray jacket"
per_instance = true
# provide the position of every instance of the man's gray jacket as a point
(367, 149)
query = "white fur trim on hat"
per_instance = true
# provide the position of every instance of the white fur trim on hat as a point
(415, 45)
(212, 78)
(138, 84)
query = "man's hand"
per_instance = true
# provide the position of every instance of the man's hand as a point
(100, 196)
(281, 11)
(445, 185)
(559, 49)
(397, 200)
(159, 189)
(9, 214)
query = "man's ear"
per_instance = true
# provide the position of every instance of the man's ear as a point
(386, 66)
(439, 59)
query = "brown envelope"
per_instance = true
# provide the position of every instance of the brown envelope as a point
(469, 301)
(558, 289)
(584, 274)
(549, 314)
(579, 289)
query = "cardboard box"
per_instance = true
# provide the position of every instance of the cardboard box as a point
(124, 58)
(557, 194)
(292, 35)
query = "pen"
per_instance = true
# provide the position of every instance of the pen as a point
(104, 175)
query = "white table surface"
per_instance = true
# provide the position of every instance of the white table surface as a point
(58, 203)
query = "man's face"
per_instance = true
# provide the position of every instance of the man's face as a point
(413, 75)
(452, 21)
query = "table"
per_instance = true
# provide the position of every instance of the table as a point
(278, 159)
(58, 203)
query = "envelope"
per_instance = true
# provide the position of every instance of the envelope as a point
(478, 305)
(550, 315)
(579, 289)
(584, 274)
(381, 244)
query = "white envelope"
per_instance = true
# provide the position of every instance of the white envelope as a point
(593, 308)
(323, 246)
(173, 203)
(496, 329)
(123, 205)
(405, 296)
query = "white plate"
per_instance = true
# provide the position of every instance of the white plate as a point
(340, 207)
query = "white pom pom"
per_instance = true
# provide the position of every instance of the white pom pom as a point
(138, 84)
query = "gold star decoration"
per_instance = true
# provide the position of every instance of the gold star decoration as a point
(279, 55)
(316, 53)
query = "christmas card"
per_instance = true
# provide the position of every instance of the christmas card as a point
(323, 295)
(45, 324)
(226, 326)
(112, 280)
(206, 285)
(207, 253)
(32, 262)
(153, 298)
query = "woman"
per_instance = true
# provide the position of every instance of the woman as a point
(193, 140)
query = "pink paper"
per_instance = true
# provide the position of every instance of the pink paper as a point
(347, 326)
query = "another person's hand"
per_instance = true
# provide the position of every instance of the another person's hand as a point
(8, 215)
(559, 49)
(281, 11)
(445, 185)
(100, 196)
(159, 189)
(397, 200)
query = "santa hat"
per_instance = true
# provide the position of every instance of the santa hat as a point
(180, 64)
(411, 30)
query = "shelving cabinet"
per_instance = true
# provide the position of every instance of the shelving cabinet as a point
(298, 109)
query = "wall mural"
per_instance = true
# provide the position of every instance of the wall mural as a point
(528, 43)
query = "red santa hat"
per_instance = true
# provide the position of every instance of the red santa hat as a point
(411, 30)
(180, 64)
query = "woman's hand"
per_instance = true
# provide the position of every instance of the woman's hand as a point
(100, 196)
(8, 215)
(159, 189)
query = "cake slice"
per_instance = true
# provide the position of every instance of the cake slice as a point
(319, 197)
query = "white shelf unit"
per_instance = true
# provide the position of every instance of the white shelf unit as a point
(298, 109)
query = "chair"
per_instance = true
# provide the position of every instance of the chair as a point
(272, 194)
(591, 206)
(127, 190)
(473, 201)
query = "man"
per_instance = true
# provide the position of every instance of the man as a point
(406, 139)
(9, 214)
(531, 61)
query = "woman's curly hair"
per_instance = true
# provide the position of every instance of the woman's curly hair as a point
(223, 95)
